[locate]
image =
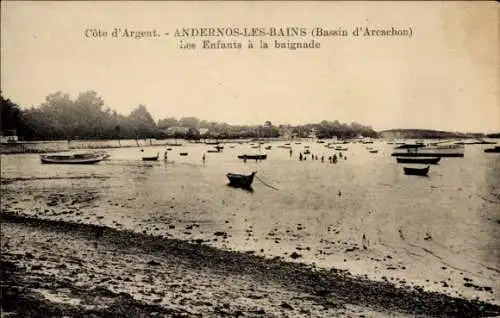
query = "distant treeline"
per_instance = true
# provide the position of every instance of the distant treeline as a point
(87, 117)
(429, 134)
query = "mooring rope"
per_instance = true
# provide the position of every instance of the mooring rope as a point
(268, 185)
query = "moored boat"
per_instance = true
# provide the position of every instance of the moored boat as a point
(373, 151)
(496, 149)
(428, 154)
(420, 160)
(416, 171)
(78, 158)
(240, 180)
(255, 157)
(408, 146)
(151, 158)
(211, 142)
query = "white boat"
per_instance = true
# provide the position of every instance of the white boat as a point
(77, 158)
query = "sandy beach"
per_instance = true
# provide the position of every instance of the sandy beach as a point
(53, 268)
(127, 238)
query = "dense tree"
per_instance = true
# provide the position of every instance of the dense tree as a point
(87, 117)
(189, 122)
(168, 122)
(141, 122)
(13, 120)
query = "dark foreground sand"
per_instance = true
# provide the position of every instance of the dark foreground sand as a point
(57, 269)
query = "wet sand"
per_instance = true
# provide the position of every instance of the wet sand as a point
(59, 268)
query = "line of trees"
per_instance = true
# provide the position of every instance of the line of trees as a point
(87, 117)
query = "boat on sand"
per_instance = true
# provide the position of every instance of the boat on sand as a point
(77, 158)
(255, 157)
(152, 158)
(421, 160)
(240, 180)
(416, 171)
(496, 149)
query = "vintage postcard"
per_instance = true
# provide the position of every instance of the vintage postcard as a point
(250, 158)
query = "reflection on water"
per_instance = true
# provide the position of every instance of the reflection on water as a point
(362, 213)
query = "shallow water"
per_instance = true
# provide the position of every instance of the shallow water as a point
(435, 231)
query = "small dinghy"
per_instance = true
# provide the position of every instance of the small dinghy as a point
(429, 161)
(416, 171)
(255, 157)
(240, 180)
(496, 149)
(153, 158)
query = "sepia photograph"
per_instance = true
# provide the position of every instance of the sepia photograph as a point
(250, 159)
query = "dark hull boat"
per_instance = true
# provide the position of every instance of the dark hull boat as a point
(373, 151)
(416, 171)
(255, 157)
(84, 158)
(240, 180)
(429, 161)
(427, 154)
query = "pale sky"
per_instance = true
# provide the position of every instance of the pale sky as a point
(445, 76)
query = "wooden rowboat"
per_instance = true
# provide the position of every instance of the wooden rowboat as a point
(81, 158)
(155, 158)
(255, 157)
(416, 171)
(496, 149)
(429, 161)
(240, 180)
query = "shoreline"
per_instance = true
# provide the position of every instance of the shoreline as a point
(335, 290)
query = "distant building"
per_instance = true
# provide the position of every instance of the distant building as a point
(8, 136)
(312, 133)
(204, 131)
